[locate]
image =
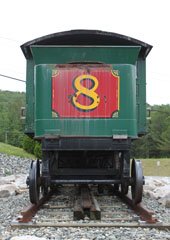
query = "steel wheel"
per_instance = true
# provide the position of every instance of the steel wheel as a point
(124, 188)
(34, 182)
(137, 181)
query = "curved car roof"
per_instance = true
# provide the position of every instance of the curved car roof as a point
(87, 37)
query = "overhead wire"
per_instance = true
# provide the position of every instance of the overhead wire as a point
(9, 39)
(17, 79)
(157, 110)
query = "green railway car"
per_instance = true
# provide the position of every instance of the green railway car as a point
(86, 102)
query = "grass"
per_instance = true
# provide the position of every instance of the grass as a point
(11, 150)
(150, 167)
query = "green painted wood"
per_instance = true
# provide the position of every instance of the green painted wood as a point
(132, 114)
(126, 122)
(141, 96)
(30, 98)
(107, 55)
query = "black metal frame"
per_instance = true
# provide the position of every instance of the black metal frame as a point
(50, 143)
(53, 146)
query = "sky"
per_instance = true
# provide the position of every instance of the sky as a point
(145, 20)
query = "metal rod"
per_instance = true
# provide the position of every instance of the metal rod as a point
(85, 181)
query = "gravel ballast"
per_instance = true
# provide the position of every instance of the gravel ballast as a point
(10, 208)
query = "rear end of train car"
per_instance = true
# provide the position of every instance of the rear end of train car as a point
(86, 102)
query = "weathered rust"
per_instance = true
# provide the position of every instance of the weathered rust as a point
(33, 209)
(95, 212)
(78, 213)
(86, 202)
(86, 205)
(144, 213)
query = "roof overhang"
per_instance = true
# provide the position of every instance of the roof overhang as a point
(84, 38)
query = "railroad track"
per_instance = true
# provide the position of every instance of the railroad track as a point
(86, 208)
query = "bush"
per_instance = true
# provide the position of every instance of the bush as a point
(32, 146)
(28, 144)
(38, 150)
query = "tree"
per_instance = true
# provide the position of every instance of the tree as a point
(159, 130)
(11, 127)
(157, 142)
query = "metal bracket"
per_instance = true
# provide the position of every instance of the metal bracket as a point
(22, 113)
(149, 113)
(120, 136)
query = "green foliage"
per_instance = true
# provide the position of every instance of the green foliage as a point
(11, 127)
(28, 144)
(38, 150)
(164, 138)
(32, 146)
(156, 143)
